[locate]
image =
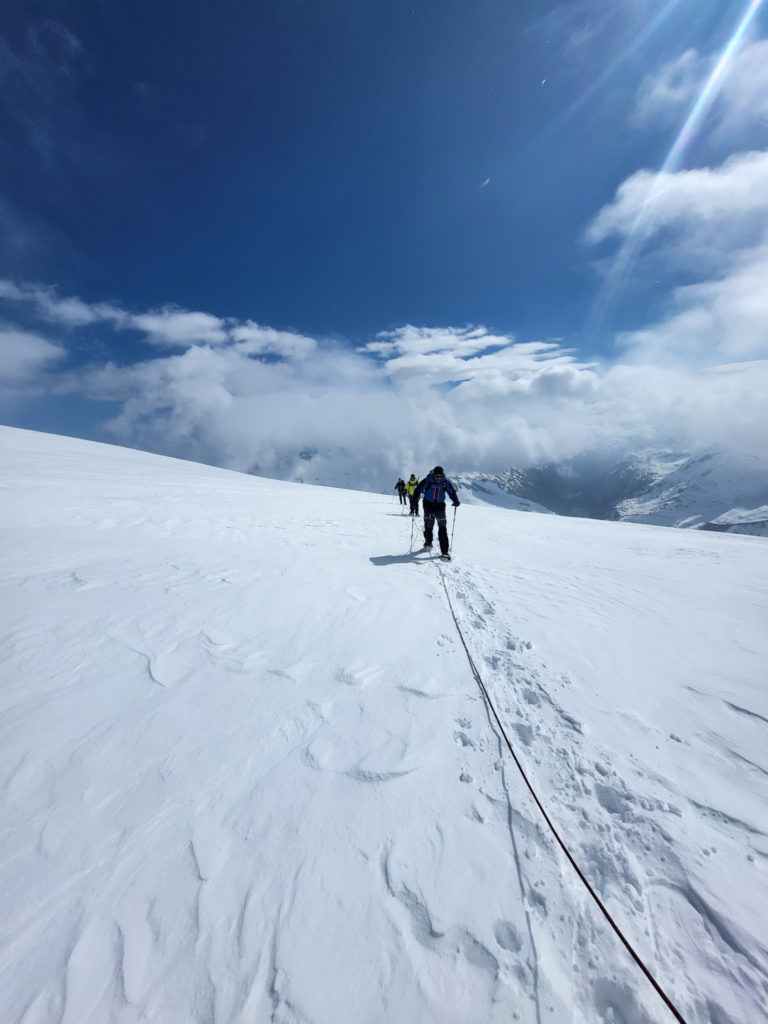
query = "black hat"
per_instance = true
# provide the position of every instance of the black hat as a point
(439, 469)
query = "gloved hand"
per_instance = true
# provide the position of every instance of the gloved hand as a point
(456, 503)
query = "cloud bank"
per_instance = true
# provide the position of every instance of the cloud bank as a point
(276, 402)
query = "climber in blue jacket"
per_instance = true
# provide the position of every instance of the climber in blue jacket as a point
(432, 490)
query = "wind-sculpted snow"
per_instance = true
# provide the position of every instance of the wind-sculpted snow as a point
(248, 775)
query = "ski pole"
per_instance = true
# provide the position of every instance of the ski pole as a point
(453, 527)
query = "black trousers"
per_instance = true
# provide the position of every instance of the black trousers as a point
(435, 510)
(414, 504)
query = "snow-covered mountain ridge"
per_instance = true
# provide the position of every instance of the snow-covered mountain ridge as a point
(721, 488)
(712, 490)
(246, 772)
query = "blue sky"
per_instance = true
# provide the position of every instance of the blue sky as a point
(338, 208)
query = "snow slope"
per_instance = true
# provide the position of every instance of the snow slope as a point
(247, 774)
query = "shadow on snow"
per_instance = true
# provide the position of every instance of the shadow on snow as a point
(410, 556)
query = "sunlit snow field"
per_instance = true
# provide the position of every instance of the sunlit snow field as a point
(247, 774)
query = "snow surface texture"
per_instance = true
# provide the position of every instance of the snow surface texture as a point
(247, 774)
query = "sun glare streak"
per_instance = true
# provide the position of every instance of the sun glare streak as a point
(618, 275)
(605, 76)
(711, 88)
(618, 62)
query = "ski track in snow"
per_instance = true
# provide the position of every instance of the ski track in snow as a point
(247, 773)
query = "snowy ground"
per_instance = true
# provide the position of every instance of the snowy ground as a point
(247, 774)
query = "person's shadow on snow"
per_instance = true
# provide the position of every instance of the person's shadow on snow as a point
(410, 556)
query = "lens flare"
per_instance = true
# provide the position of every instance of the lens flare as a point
(602, 79)
(711, 88)
(621, 268)
(618, 63)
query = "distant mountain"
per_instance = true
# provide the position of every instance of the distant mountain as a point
(715, 490)
(584, 486)
(507, 490)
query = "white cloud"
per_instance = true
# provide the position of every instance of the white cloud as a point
(170, 326)
(712, 320)
(24, 355)
(729, 198)
(745, 91)
(412, 340)
(180, 327)
(420, 356)
(693, 409)
(68, 312)
(566, 382)
(715, 223)
(742, 101)
(254, 339)
(663, 96)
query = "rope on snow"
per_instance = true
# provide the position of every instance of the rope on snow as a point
(603, 909)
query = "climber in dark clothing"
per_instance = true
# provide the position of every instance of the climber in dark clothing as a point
(432, 490)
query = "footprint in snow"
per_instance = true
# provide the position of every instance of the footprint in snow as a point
(537, 901)
(516, 644)
(611, 800)
(508, 936)
(342, 676)
(524, 732)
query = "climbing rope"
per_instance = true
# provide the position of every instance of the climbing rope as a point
(603, 909)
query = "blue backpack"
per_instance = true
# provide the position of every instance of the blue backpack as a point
(435, 490)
